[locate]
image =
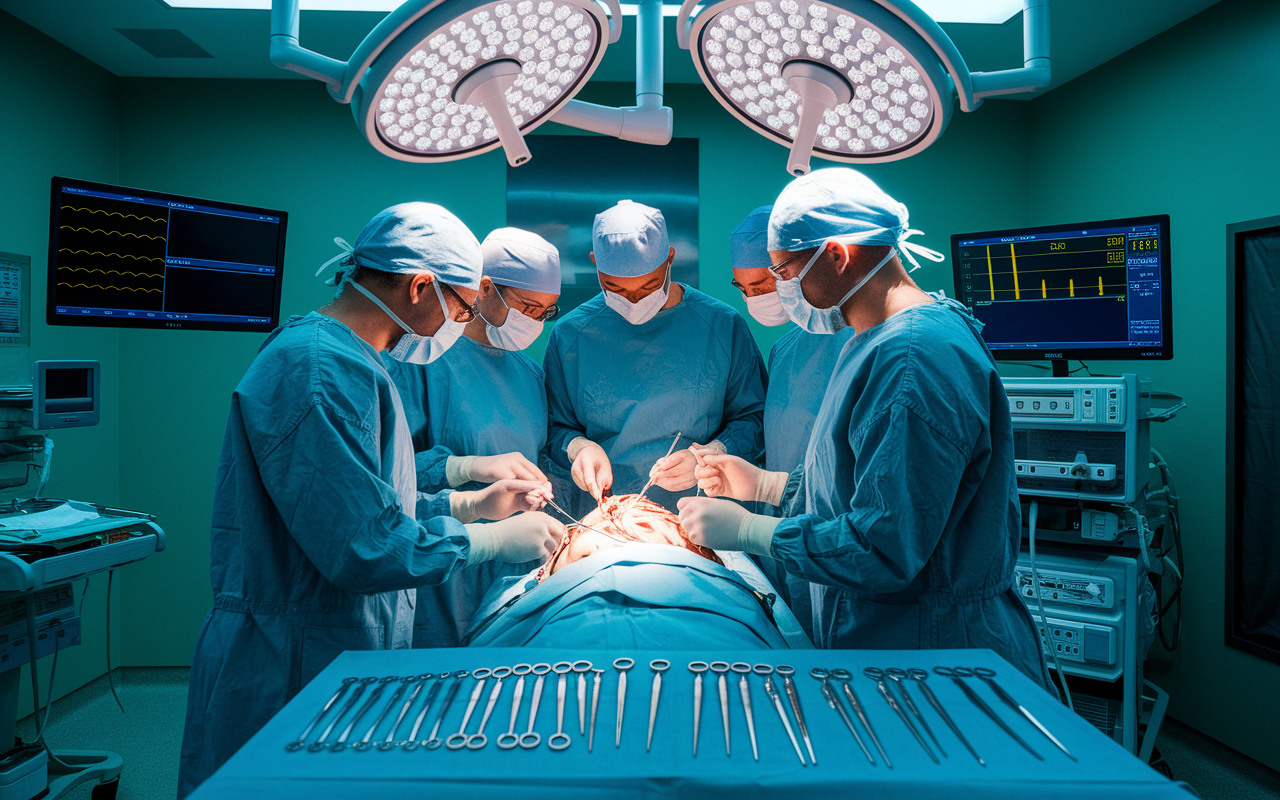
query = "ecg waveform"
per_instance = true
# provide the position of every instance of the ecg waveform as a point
(96, 286)
(113, 233)
(112, 272)
(111, 254)
(110, 213)
(1081, 267)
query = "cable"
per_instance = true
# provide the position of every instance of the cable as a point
(1044, 618)
(1174, 601)
(35, 682)
(111, 678)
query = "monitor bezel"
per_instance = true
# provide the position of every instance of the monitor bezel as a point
(53, 318)
(1163, 353)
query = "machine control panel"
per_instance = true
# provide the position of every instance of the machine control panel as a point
(1065, 588)
(1099, 404)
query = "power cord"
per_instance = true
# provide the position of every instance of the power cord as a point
(1044, 618)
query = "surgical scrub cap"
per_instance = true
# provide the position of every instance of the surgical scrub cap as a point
(747, 243)
(416, 237)
(629, 240)
(524, 260)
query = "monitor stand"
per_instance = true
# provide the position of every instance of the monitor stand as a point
(1059, 367)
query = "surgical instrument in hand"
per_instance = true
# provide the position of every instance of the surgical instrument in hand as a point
(389, 742)
(560, 740)
(720, 668)
(412, 742)
(621, 665)
(293, 747)
(957, 675)
(772, 692)
(432, 742)
(697, 668)
(595, 706)
(582, 668)
(531, 739)
(659, 666)
(988, 677)
(793, 696)
(742, 670)
(833, 700)
(510, 739)
(919, 675)
(843, 676)
(898, 676)
(458, 740)
(876, 674)
(322, 742)
(631, 503)
(574, 521)
(378, 688)
(478, 740)
(367, 741)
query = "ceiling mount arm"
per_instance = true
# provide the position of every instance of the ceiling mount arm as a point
(286, 53)
(1035, 73)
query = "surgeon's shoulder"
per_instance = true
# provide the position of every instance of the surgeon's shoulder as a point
(319, 360)
(721, 319)
(569, 327)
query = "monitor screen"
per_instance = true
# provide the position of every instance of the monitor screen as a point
(128, 258)
(1096, 290)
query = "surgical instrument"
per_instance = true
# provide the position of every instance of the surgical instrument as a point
(621, 665)
(458, 740)
(697, 668)
(560, 740)
(843, 676)
(786, 671)
(595, 706)
(478, 740)
(293, 747)
(367, 741)
(920, 676)
(432, 742)
(659, 666)
(833, 700)
(988, 676)
(898, 676)
(582, 668)
(876, 674)
(772, 692)
(631, 503)
(742, 670)
(389, 742)
(720, 668)
(579, 523)
(412, 742)
(378, 688)
(321, 743)
(510, 739)
(957, 675)
(530, 738)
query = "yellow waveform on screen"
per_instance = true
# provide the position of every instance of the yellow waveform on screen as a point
(1017, 293)
(1073, 287)
(112, 272)
(96, 286)
(116, 255)
(117, 233)
(111, 213)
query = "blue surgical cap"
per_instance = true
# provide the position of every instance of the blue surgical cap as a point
(629, 240)
(747, 243)
(835, 202)
(514, 257)
(421, 237)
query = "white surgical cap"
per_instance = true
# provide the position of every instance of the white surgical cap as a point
(416, 237)
(629, 240)
(524, 260)
(845, 205)
(747, 243)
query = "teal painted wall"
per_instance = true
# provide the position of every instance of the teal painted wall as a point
(61, 119)
(1186, 125)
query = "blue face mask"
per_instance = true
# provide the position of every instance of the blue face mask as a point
(820, 320)
(413, 347)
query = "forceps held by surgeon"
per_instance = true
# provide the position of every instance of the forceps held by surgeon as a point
(651, 481)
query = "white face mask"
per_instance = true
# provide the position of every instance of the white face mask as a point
(413, 347)
(820, 320)
(767, 309)
(643, 310)
(517, 333)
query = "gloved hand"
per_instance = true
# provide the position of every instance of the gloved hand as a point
(499, 500)
(724, 525)
(591, 471)
(722, 475)
(675, 473)
(487, 469)
(524, 537)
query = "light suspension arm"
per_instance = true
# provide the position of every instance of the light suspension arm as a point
(1035, 72)
(286, 53)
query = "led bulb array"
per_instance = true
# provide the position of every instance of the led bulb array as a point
(554, 43)
(744, 48)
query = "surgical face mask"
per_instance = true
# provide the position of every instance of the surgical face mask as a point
(517, 333)
(643, 310)
(767, 309)
(413, 347)
(820, 320)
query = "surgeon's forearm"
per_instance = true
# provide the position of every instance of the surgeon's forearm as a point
(457, 470)
(771, 487)
(577, 446)
(559, 438)
(462, 507)
(743, 437)
(484, 543)
(755, 534)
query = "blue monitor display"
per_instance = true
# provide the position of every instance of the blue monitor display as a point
(1096, 290)
(128, 258)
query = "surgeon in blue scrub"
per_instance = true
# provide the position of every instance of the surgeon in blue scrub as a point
(642, 361)
(483, 404)
(319, 533)
(800, 364)
(911, 523)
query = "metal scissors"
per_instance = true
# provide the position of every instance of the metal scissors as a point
(988, 675)
(899, 676)
(581, 668)
(957, 675)
(876, 674)
(697, 668)
(772, 692)
(833, 700)
(786, 671)
(622, 665)
(579, 523)
(721, 668)
(302, 740)
(659, 666)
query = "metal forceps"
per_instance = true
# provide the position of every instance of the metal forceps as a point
(321, 743)
(621, 665)
(698, 668)
(390, 742)
(560, 740)
(367, 742)
(876, 674)
(432, 741)
(833, 700)
(530, 738)
(582, 668)
(659, 666)
(721, 668)
(595, 706)
(988, 676)
(510, 739)
(458, 740)
(579, 523)
(957, 675)
(785, 671)
(478, 740)
(919, 675)
(293, 747)
(844, 676)
(742, 670)
(378, 689)
(772, 692)
(898, 676)
(651, 481)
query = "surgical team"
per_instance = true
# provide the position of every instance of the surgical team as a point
(387, 456)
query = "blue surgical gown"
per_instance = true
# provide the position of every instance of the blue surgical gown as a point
(800, 365)
(693, 368)
(474, 400)
(912, 523)
(319, 535)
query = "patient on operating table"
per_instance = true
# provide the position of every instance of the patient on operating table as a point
(627, 577)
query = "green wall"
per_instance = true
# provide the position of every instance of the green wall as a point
(1185, 125)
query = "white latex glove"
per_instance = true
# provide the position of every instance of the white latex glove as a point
(499, 500)
(675, 473)
(591, 471)
(488, 469)
(532, 536)
(721, 475)
(725, 525)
